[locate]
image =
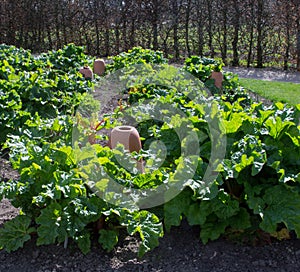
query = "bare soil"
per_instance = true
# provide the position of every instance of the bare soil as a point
(179, 250)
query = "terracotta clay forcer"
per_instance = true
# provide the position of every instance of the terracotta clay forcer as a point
(99, 67)
(87, 72)
(129, 137)
(218, 77)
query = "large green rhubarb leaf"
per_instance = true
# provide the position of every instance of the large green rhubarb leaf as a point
(149, 228)
(49, 220)
(84, 242)
(15, 233)
(283, 206)
(250, 152)
(175, 208)
(108, 238)
(212, 229)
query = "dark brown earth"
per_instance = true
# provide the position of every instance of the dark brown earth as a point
(179, 250)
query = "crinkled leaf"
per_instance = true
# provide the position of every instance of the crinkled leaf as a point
(254, 197)
(214, 227)
(49, 222)
(277, 126)
(241, 220)
(148, 227)
(15, 233)
(108, 238)
(224, 206)
(84, 242)
(295, 139)
(197, 213)
(212, 230)
(175, 208)
(250, 153)
(235, 122)
(283, 206)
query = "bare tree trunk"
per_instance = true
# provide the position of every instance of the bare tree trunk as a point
(88, 43)
(249, 57)
(124, 34)
(132, 32)
(175, 39)
(200, 39)
(298, 43)
(11, 33)
(64, 25)
(49, 38)
(200, 27)
(224, 41)
(187, 27)
(155, 24)
(156, 8)
(155, 35)
(117, 34)
(288, 38)
(57, 25)
(2, 22)
(260, 11)
(297, 11)
(165, 41)
(210, 27)
(58, 40)
(175, 15)
(93, 10)
(97, 37)
(236, 25)
(107, 42)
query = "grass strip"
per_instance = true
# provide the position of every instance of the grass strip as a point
(286, 92)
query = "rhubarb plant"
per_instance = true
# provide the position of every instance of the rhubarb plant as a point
(255, 186)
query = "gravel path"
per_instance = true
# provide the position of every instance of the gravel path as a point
(265, 74)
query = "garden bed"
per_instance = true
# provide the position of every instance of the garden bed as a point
(179, 250)
(236, 202)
